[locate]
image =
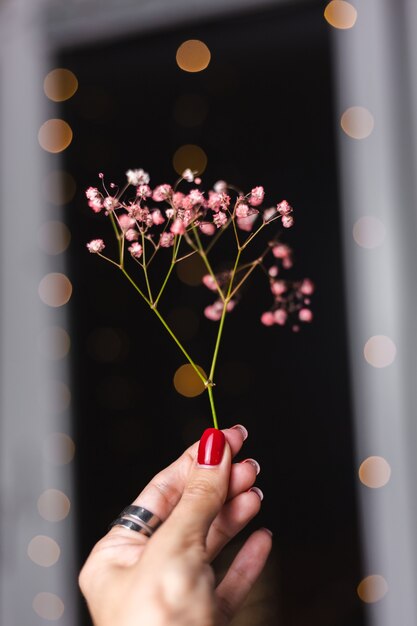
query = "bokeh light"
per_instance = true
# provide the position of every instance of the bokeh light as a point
(107, 345)
(55, 135)
(189, 156)
(187, 382)
(54, 343)
(55, 397)
(374, 472)
(55, 289)
(380, 351)
(340, 14)
(357, 122)
(58, 449)
(372, 588)
(193, 56)
(48, 606)
(190, 110)
(54, 237)
(53, 505)
(43, 550)
(59, 187)
(184, 322)
(369, 232)
(191, 270)
(60, 84)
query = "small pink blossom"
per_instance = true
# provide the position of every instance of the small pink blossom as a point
(92, 193)
(209, 282)
(246, 223)
(136, 250)
(177, 199)
(231, 305)
(287, 263)
(287, 221)
(188, 175)
(126, 222)
(281, 250)
(170, 213)
(132, 234)
(178, 227)
(220, 219)
(273, 271)
(305, 315)
(166, 240)
(217, 201)
(192, 199)
(269, 213)
(138, 213)
(95, 246)
(137, 177)
(284, 208)
(143, 191)
(220, 186)
(162, 192)
(95, 204)
(110, 203)
(280, 316)
(208, 228)
(278, 287)
(212, 313)
(242, 210)
(256, 196)
(307, 287)
(268, 318)
(157, 217)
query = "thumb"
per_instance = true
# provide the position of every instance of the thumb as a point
(207, 486)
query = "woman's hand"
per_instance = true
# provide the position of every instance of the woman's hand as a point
(166, 580)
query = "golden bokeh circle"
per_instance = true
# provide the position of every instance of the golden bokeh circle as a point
(48, 606)
(53, 505)
(55, 289)
(357, 122)
(193, 55)
(55, 135)
(59, 187)
(189, 156)
(369, 232)
(60, 84)
(54, 237)
(54, 343)
(187, 382)
(374, 472)
(58, 449)
(372, 588)
(43, 551)
(340, 14)
(380, 351)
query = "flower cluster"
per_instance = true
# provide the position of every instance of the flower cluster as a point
(190, 222)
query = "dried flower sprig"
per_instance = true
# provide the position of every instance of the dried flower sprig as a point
(191, 223)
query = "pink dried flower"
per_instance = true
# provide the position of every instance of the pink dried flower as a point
(212, 313)
(305, 315)
(194, 198)
(110, 204)
(287, 221)
(284, 208)
(242, 210)
(281, 250)
(178, 227)
(177, 199)
(256, 196)
(267, 318)
(278, 287)
(166, 240)
(188, 175)
(217, 201)
(287, 263)
(95, 246)
(157, 217)
(208, 228)
(137, 177)
(220, 219)
(246, 223)
(307, 287)
(92, 193)
(143, 191)
(95, 204)
(170, 213)
(138, 213)
(220, 186)
(135, 250)
(209, 282)
(132, 234)
(273, 271)
(126, 222)
(162, 192)
(280, 316)
(269, 213)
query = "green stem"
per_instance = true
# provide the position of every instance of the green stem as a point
(207, 263)
(113, 223)
(145, 271)
(213, 408)
(132, 282)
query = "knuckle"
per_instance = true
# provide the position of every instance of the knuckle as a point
(201, 487)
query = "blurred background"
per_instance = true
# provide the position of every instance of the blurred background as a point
(315, 102)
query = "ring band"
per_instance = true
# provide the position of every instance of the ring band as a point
(138, 519)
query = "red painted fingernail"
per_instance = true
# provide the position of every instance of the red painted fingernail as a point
(211, 447)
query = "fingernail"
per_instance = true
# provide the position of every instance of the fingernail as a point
(258, 492)
(267, 531)
(242, 430)
(254, 463)
(211, 447)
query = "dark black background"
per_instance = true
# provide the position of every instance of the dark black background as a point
(270, 121)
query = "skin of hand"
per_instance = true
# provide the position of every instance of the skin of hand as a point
(167, 580)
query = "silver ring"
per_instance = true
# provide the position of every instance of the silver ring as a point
(138, 519)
